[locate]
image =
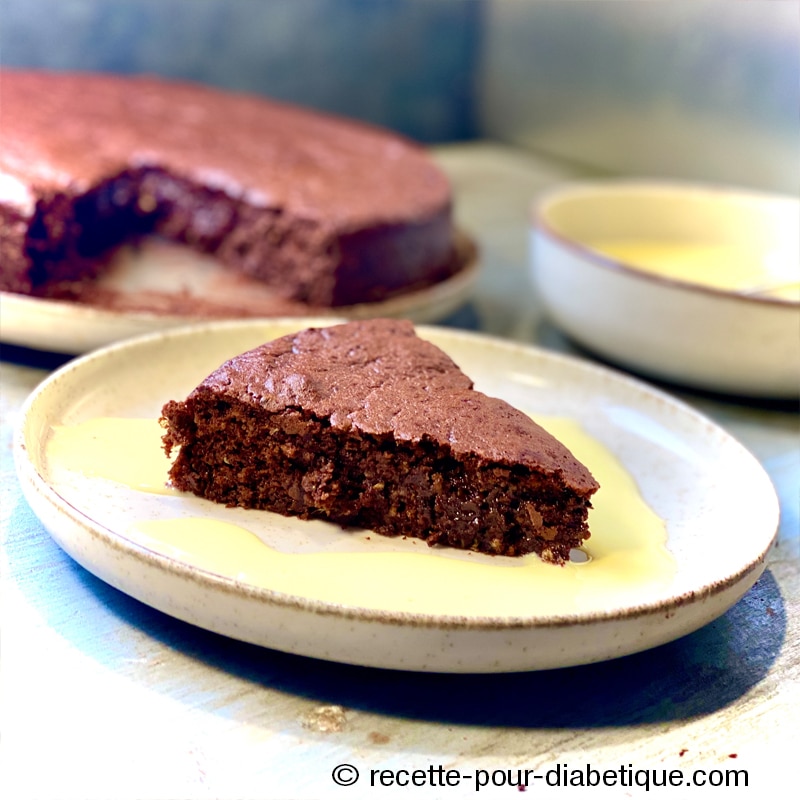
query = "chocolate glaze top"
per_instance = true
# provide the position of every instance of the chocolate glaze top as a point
(69, 131)
(378, 377)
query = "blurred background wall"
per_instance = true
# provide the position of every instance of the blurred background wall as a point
(706, 89)
(701, 89)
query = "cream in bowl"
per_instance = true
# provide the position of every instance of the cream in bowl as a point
(698, 285)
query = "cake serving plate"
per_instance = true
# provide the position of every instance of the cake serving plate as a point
(160, 285)
(686, 470)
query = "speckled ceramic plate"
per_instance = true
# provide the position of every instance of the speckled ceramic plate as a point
(718, 507)
(151, 287)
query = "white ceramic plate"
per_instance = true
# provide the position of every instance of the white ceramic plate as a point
(148, 285)
(718, 505)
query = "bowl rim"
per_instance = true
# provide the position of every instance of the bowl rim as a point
(597, 189)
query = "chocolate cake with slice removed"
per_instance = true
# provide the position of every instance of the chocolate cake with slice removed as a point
(368, 425)
(323, 210)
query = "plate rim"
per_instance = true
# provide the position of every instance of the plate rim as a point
(29, 474)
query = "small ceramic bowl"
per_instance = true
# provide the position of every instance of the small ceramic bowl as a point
(696, 285)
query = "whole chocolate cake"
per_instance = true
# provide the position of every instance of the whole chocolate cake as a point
(327, 211)
(368, 425)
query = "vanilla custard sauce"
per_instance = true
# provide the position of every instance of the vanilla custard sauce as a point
(127, 451)
(720, 266)
(625, 561)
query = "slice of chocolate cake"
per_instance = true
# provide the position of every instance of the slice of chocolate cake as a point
(368, 425)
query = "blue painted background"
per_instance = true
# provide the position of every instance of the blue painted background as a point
(407, 64)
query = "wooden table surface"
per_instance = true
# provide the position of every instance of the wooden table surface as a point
(103, 697)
